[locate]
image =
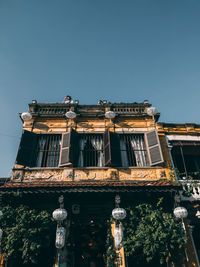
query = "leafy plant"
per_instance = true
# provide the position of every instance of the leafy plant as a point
(188, 181)
(172, 175)
(26, 232)
(188, 188)
(152, 232)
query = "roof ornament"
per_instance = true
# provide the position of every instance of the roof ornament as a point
(102, 102)
(68, 100)
(146, 102)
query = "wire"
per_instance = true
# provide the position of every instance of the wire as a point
(7, 135)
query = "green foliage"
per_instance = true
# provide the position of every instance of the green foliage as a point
(25, 231)
(152, 232)
(172, 175)
(189, 189)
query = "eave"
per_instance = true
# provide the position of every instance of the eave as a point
(88, 186)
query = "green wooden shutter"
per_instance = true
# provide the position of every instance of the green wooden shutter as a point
(153, 148)
(107, 148)
(115, 150)
(66, 155)
(26, 148)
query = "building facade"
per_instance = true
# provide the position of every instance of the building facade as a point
(89, 154)
(184, 146)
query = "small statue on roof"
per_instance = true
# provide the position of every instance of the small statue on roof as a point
(100, 102)
(68, 100)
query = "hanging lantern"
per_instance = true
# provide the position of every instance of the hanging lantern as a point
(1, 233)
(26, 116)
(119, 213)
(198, 214)
(118, 236)
(59, 214)
(60, 237)
(180, 212)
(110, 114)
(70, 115)
(152, 111)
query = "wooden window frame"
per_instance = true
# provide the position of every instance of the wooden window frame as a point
(93, 150)
(32, 146)
(47, 152)
(149, 159)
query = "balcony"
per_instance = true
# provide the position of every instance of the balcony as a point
(191, 190)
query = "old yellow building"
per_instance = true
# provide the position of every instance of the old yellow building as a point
(90, 154)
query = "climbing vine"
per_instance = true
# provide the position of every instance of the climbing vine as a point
(26, 231)
(150, 231)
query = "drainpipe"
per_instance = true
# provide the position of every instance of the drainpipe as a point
(169, 146)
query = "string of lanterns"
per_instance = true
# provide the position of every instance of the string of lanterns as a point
(118, 214)
(60, 215)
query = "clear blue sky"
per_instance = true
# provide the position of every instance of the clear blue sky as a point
(120, 50)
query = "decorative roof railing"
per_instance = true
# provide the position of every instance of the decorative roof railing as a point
(59, 109)
(125, 110)
(48, 110)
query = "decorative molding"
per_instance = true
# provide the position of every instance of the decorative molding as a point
(17, 176)
(70, 174)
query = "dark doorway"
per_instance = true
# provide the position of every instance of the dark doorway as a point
(90, 244)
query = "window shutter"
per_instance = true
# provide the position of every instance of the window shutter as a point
(26, 148)
(153, 147)
(66, 151)
(107, 148)
(115, 150)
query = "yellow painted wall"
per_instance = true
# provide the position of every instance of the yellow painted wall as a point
(96, 125)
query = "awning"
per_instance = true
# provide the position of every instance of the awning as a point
(91, 186)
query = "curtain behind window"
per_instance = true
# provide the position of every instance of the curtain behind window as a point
(82, 143)
(97, 143)
(47, 152)
(40, 149)
(138, 145)
(90, 150)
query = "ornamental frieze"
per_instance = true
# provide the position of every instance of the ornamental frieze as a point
(70, 174)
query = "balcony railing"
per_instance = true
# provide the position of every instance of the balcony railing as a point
(191, 176)
(125, 110)
(59, 109)
(191, 189)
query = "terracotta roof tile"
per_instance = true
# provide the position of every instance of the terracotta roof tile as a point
(158, 183)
